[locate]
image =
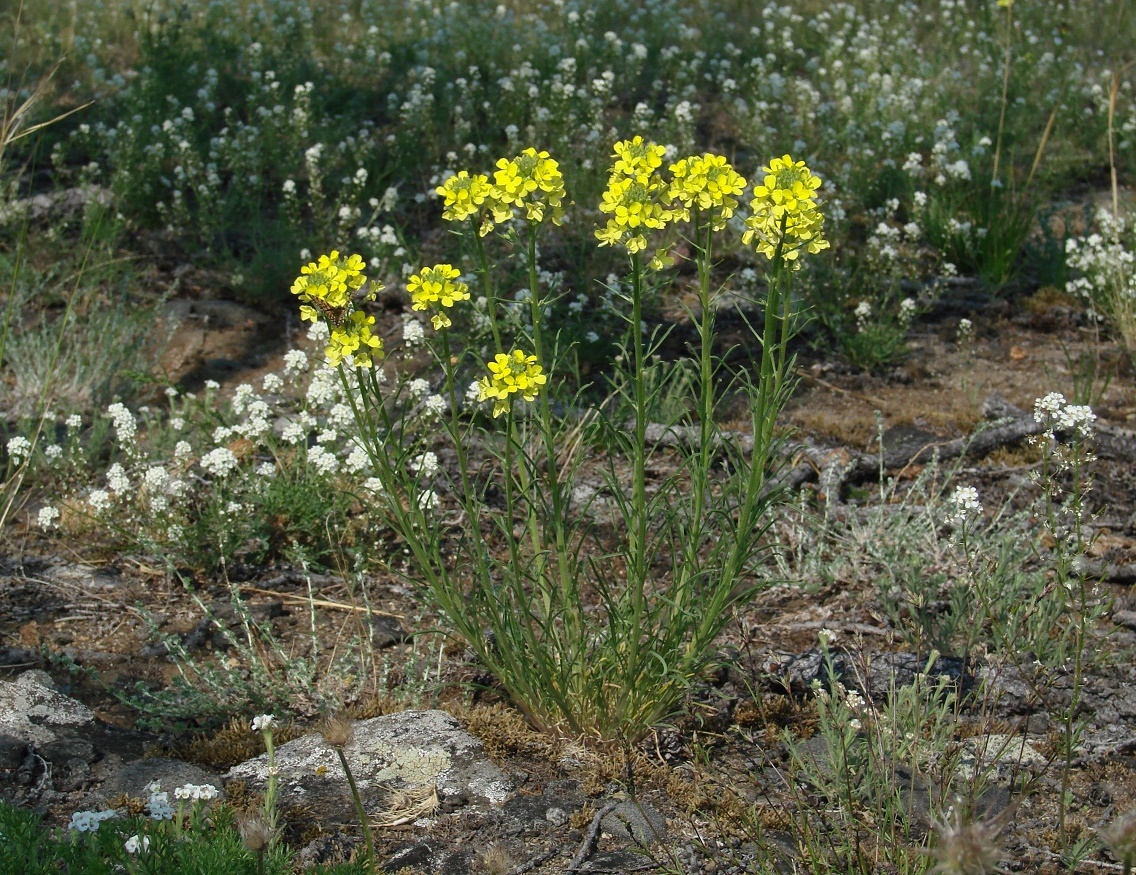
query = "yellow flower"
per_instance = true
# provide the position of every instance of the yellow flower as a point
(354, 338)
(464, 196)
(435, 287)
(784, 212)
(328, 282)
(635, 196)
(511, 374)
(1005, 2)
(637, 158)
(530, 183)
(709, 184)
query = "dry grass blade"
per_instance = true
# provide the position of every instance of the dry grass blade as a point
(408, 805)
(13, 117)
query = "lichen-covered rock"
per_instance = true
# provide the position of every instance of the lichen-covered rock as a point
(406, 750)
(31, 709)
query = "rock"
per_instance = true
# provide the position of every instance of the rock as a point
(617, 860)
(12, 752)
(133, 778)
(387, 631)
(417, 855)
(405, 750)
(885, 671)
(637, 821)
(32, 709)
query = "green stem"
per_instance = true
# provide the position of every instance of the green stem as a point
(487, 284)
(1005, 90)
(637, 527)
(362, 815)
(567, 580)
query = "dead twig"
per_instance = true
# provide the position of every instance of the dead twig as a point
(589, 841)
(322, 603)
(529, 865)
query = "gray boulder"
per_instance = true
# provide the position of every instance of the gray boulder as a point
(408, 750)
(32, 710)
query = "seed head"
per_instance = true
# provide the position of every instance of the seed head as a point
(1120, 838)
(255, 833)
(337, 730)
(967, 849)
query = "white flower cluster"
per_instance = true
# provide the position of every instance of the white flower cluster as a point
(158, 805)
(1056, 414)
(863, 313)
(263, 723)
(220, 462)
(1107, 264)
(907, 308)
(88, 821)
(295, 362)
(117, 479)
(196, 792)
(425, 464)
(125, 426)
(48, 517)
(964, 506)
(324, 461)
(19, 449)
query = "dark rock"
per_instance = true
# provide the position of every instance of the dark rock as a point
(63, 750)
(637, 821)
(617, 860)
(12, 752)
(387, 631)
(410, 854)
(874, 675)
(134, 778)
(326, 849)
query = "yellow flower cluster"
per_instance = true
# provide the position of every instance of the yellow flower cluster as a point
(785, 216)
(707, 183)
(464, 195)
(511, 374)
(325, 288)
(529, 184)
(636, 195)
(437, 288)
(328, 283)
(354, 338)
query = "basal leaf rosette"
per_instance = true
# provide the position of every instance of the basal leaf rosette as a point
(436, 289)
(707, 183)
(511, 374)
(325, 290)
(530, 185)
(785, 218)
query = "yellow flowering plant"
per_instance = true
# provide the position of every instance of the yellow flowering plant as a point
(517, 567)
